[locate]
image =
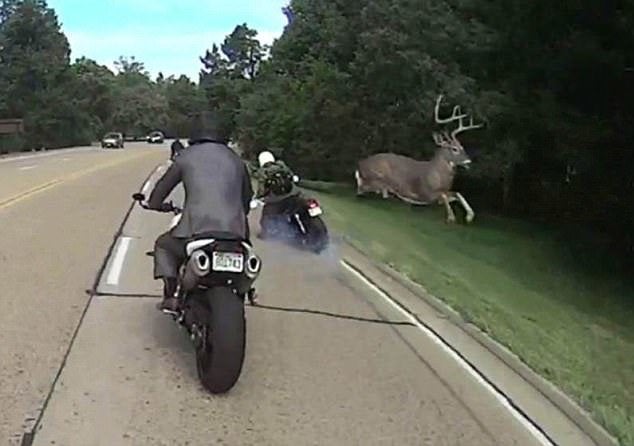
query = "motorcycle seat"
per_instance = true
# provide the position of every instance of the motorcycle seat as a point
(217, 235)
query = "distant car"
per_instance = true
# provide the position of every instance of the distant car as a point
(113, 140)
(155, 138)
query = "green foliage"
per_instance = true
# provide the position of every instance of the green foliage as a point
(552, 82)
(97, 86)
(66, 104)
(139, 106)
(228, 73)
(183, 98)
(35, 76)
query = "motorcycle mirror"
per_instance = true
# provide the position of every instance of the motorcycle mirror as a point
(138, 197)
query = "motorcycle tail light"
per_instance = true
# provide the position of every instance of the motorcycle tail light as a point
(313, 204)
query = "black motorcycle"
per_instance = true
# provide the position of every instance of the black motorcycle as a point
(215, 280)
(297, 220)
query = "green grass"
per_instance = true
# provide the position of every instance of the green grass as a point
(553, 304)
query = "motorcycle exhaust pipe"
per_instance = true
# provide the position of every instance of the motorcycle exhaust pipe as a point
(201, 263)
(198, 266)
(253, 264)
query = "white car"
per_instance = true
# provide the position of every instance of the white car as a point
(155, 138)
(112, 140)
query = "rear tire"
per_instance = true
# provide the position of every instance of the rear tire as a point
(220, 356)
(317, 235)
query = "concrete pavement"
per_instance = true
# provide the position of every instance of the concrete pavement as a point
(57, 219)
(322, 366)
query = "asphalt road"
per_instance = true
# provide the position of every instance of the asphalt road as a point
(322, 367)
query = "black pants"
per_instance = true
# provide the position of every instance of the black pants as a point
(169, 254)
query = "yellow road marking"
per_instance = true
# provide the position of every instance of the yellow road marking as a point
(64, 179)
(28, 193)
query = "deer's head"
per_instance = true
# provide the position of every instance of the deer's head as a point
(449, 148)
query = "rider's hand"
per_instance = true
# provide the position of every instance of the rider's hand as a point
(167, 207)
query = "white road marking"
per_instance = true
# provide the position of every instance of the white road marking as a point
(117, 261)
(45, 154)
(149, 183)
(146, 187)
(476, 374)
(28, 167)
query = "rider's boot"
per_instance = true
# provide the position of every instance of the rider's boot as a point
(252, 295)
(170, 301)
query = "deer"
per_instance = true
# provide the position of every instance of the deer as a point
(422, 182)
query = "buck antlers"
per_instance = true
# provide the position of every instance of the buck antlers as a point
(444, 138)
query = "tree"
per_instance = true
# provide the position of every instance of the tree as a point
(127, 66)
(214, 64)
(140, 104)
(7, 7)
(243, 51)
(347, 79)
(183, 98)
(95, 93)
(227, 73)
(35, 76)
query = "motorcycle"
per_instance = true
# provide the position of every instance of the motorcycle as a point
(299, 222)
(214, 281)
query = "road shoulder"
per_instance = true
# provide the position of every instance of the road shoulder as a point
(539, 400)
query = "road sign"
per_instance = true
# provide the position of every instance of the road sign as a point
(11, 126)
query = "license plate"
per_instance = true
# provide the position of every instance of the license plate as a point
(314, 212)
(231, 262)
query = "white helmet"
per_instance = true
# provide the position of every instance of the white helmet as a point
(265, 158)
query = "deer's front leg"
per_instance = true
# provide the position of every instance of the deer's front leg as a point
(465, 204)
(451, 217)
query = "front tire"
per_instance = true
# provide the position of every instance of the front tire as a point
(220, 355)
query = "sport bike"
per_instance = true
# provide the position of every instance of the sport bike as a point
(214, 283)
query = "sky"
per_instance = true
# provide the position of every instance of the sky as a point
(168, 36)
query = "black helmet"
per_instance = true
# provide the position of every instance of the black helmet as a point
(207, 127)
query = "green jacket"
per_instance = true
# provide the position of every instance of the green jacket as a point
(269, 176)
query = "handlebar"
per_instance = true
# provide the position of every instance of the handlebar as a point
(165, 207)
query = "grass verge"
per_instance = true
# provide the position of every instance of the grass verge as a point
(554, 304)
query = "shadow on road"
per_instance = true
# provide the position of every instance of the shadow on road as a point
(290, 310)
(333, 315)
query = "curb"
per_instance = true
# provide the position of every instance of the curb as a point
(562, 401)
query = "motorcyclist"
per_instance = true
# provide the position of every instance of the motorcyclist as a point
(276, 184)
(176, 148)
(218, 192)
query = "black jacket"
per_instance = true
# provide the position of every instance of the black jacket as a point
(217, 186)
